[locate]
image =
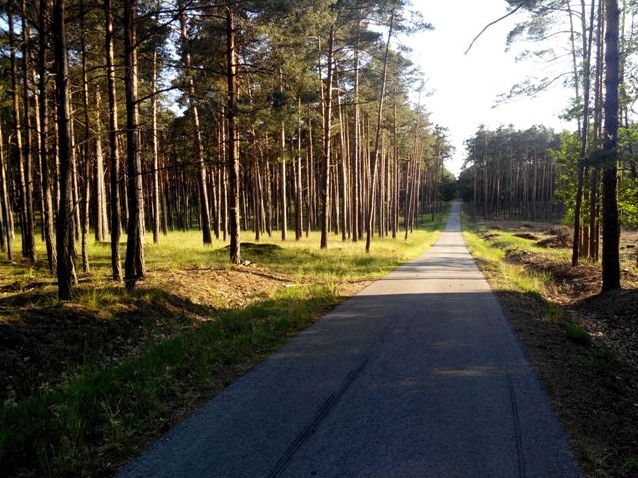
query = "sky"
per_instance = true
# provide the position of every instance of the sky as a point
(465, 87)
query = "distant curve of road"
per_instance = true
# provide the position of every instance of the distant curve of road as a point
(418, 375)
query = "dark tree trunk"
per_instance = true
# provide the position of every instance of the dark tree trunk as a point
(4, 200)
(64, 226)
(134, 262)
(611, 228)
(44, 163)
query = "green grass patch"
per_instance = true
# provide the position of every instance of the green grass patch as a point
(101, 413)
(492, 258)
(512, 277)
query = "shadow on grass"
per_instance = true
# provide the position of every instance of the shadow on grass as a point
(97, 418)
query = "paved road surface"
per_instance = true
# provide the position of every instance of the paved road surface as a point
(419, 375)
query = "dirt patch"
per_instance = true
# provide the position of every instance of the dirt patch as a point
(555, 242)
(40, 343)
(220, 288)
(527, 235)
(612, 318)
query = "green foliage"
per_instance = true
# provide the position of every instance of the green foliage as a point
(448, 187)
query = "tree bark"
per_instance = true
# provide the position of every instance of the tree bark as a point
(114, 157)
(134, 262)
(587, 44)
(156, 192)
(48, 218)
(370, 222)
(4, 200)
(327, 124)
(64, 226)
(233, 145)
(611, 228)
(197, 132)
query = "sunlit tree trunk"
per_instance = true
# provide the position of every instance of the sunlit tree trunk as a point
(233, 145)
(134, 262)
(197, 133)
(114, 157)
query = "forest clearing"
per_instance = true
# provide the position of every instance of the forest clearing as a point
(291, 238)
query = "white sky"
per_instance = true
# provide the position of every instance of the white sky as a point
(465, 87)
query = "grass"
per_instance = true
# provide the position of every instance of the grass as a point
(102, 412)
(512, 277)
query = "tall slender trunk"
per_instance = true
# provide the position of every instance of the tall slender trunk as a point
(283, 200)
(587, 36)
(298, 180)
(44, 116)
(28, 229)
(611, 228)
(4, 200)
(327, 124)
(101, 214)
(64, 226)
(197, 132)
(22, 193)
(156, 200)
(370, 222)
(86, 161)
(134, 262)
(356, 150)
(233, 145)
(114, 156)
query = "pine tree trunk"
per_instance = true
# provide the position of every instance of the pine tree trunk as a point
(587, 37)
(327, 125)
(197, 132)
(156, 192)
(298, 180)
(114, 158)
(4, 200)
(611, 228)
(134, 262)
(101, 213)
(283, 200)
(48, 214)
(356, 147)
(28, 230)
(233, 145)
(86, 161)
(64, 226)
(22, 193)
(370, 222)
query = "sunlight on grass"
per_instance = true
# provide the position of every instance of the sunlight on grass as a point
(494, 260)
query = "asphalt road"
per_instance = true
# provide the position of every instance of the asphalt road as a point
(419, 375)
